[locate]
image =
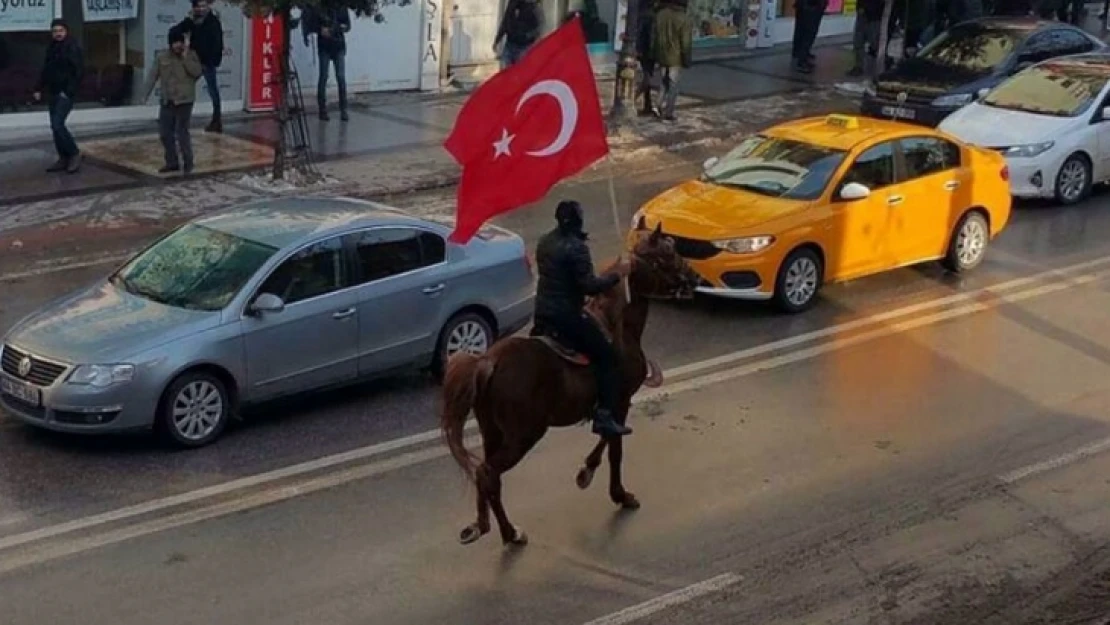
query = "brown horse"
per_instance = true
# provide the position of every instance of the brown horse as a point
(524, 385)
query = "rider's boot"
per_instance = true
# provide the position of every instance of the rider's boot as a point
(606, 425)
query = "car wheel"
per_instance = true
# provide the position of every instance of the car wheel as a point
(798, 281)
(1074, 180)
(968, 244)
(195, 410)
(468, 333)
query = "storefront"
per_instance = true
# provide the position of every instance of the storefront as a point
(120, 39)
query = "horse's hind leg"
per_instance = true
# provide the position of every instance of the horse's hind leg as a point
(491, 442)
(494, 467)
(589, 467)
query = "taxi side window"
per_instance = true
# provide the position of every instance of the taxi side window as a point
(929, 155)
(874, 168)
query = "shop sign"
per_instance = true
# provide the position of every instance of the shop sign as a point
(619, 24)
(767, 23)
(267, 35)
(430, 45)
(26, 15)
(109, 10)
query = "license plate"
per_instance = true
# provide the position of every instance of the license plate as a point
(21, 391)
(899, 112)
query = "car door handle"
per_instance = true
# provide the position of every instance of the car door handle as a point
(894, 200)
(952, 185)
(432, 290)
(343, 314)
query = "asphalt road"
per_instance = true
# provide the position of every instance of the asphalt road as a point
(842, 466)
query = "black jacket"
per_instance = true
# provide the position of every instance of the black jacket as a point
(566, 275)
(521, 24)
(643, 38)
(206, 38)
(63, 68)
(338, 21)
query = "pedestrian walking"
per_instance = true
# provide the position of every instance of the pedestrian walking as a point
(643, 51)
(330, 24)
(521, 27)
(807, 22)
(672, 49)
(865, 37)
(61, 76)
(177, 68)
(206, 38)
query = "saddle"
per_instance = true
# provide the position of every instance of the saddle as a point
(550, 338)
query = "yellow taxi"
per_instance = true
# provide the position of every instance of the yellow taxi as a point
(830, 199)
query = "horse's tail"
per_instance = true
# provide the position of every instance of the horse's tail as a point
(463, 380)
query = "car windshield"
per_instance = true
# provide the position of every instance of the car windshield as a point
(1058, 89)
(970, 47)
(776, 167)
(194, 267)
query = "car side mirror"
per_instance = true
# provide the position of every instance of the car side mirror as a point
(710, 163)
(1105, 115)
(267, 303)
(854, 191)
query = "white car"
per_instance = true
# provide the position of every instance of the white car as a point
(1051, 122)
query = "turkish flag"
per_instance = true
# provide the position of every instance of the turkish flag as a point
(526, 129)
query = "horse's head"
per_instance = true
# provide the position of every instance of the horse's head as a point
(658, 270)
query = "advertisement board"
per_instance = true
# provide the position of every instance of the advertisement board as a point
(264, 79)
(108, 10)
(26, 15)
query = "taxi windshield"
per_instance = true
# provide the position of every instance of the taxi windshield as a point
(1058, 89)
(776, 167)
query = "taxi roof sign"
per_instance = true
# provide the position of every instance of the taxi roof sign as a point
(846, 122)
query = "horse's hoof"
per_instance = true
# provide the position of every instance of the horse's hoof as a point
(519, 538)
(471, 534)
(627, 502)
(584, 478)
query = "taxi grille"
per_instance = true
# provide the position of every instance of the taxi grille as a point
(694, 249)
(42, 373)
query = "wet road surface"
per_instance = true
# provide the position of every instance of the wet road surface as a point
(903, 414)
(906, 472)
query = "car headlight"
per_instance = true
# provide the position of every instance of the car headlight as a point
(102, 375)
(746, 245)
(638, 220)
(956, 99)
(1029, 150)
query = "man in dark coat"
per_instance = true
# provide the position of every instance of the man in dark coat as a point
(330, 24)
(566, 278)
(807, 22)
(521, 27)
(644, 52)
(206, 38)
(865, 39)
(61, 76)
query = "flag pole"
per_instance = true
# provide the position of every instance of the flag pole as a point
(617, 223)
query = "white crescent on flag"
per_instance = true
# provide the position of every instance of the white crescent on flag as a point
(568, 109)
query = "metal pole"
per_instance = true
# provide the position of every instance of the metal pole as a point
(624, 88)
(617, 222)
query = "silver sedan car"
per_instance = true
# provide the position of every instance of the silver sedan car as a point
(257, 302)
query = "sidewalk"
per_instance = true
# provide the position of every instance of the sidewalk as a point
(404, 127)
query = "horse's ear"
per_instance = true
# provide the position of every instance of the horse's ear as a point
(655, 234)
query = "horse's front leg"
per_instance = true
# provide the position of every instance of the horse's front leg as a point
(617, 493)
(586, 474)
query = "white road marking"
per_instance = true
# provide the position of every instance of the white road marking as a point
(279, 493)
(669, 600)
(1055, 463)
(69, 265)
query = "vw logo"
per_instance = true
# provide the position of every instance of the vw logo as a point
(902, 97)
(24, 367)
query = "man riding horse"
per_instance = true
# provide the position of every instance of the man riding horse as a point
(566, 278)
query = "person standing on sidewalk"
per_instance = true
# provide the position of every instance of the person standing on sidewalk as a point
(807, 22)
(521, 26)
(643, 50)
(178, 69)
(672, 46)
(206, 38)
(61, 76)
(330, 24)
(865, 38)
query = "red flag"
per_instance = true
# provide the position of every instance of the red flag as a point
(526, 129)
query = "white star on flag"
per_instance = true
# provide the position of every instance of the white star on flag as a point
(501, 147)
